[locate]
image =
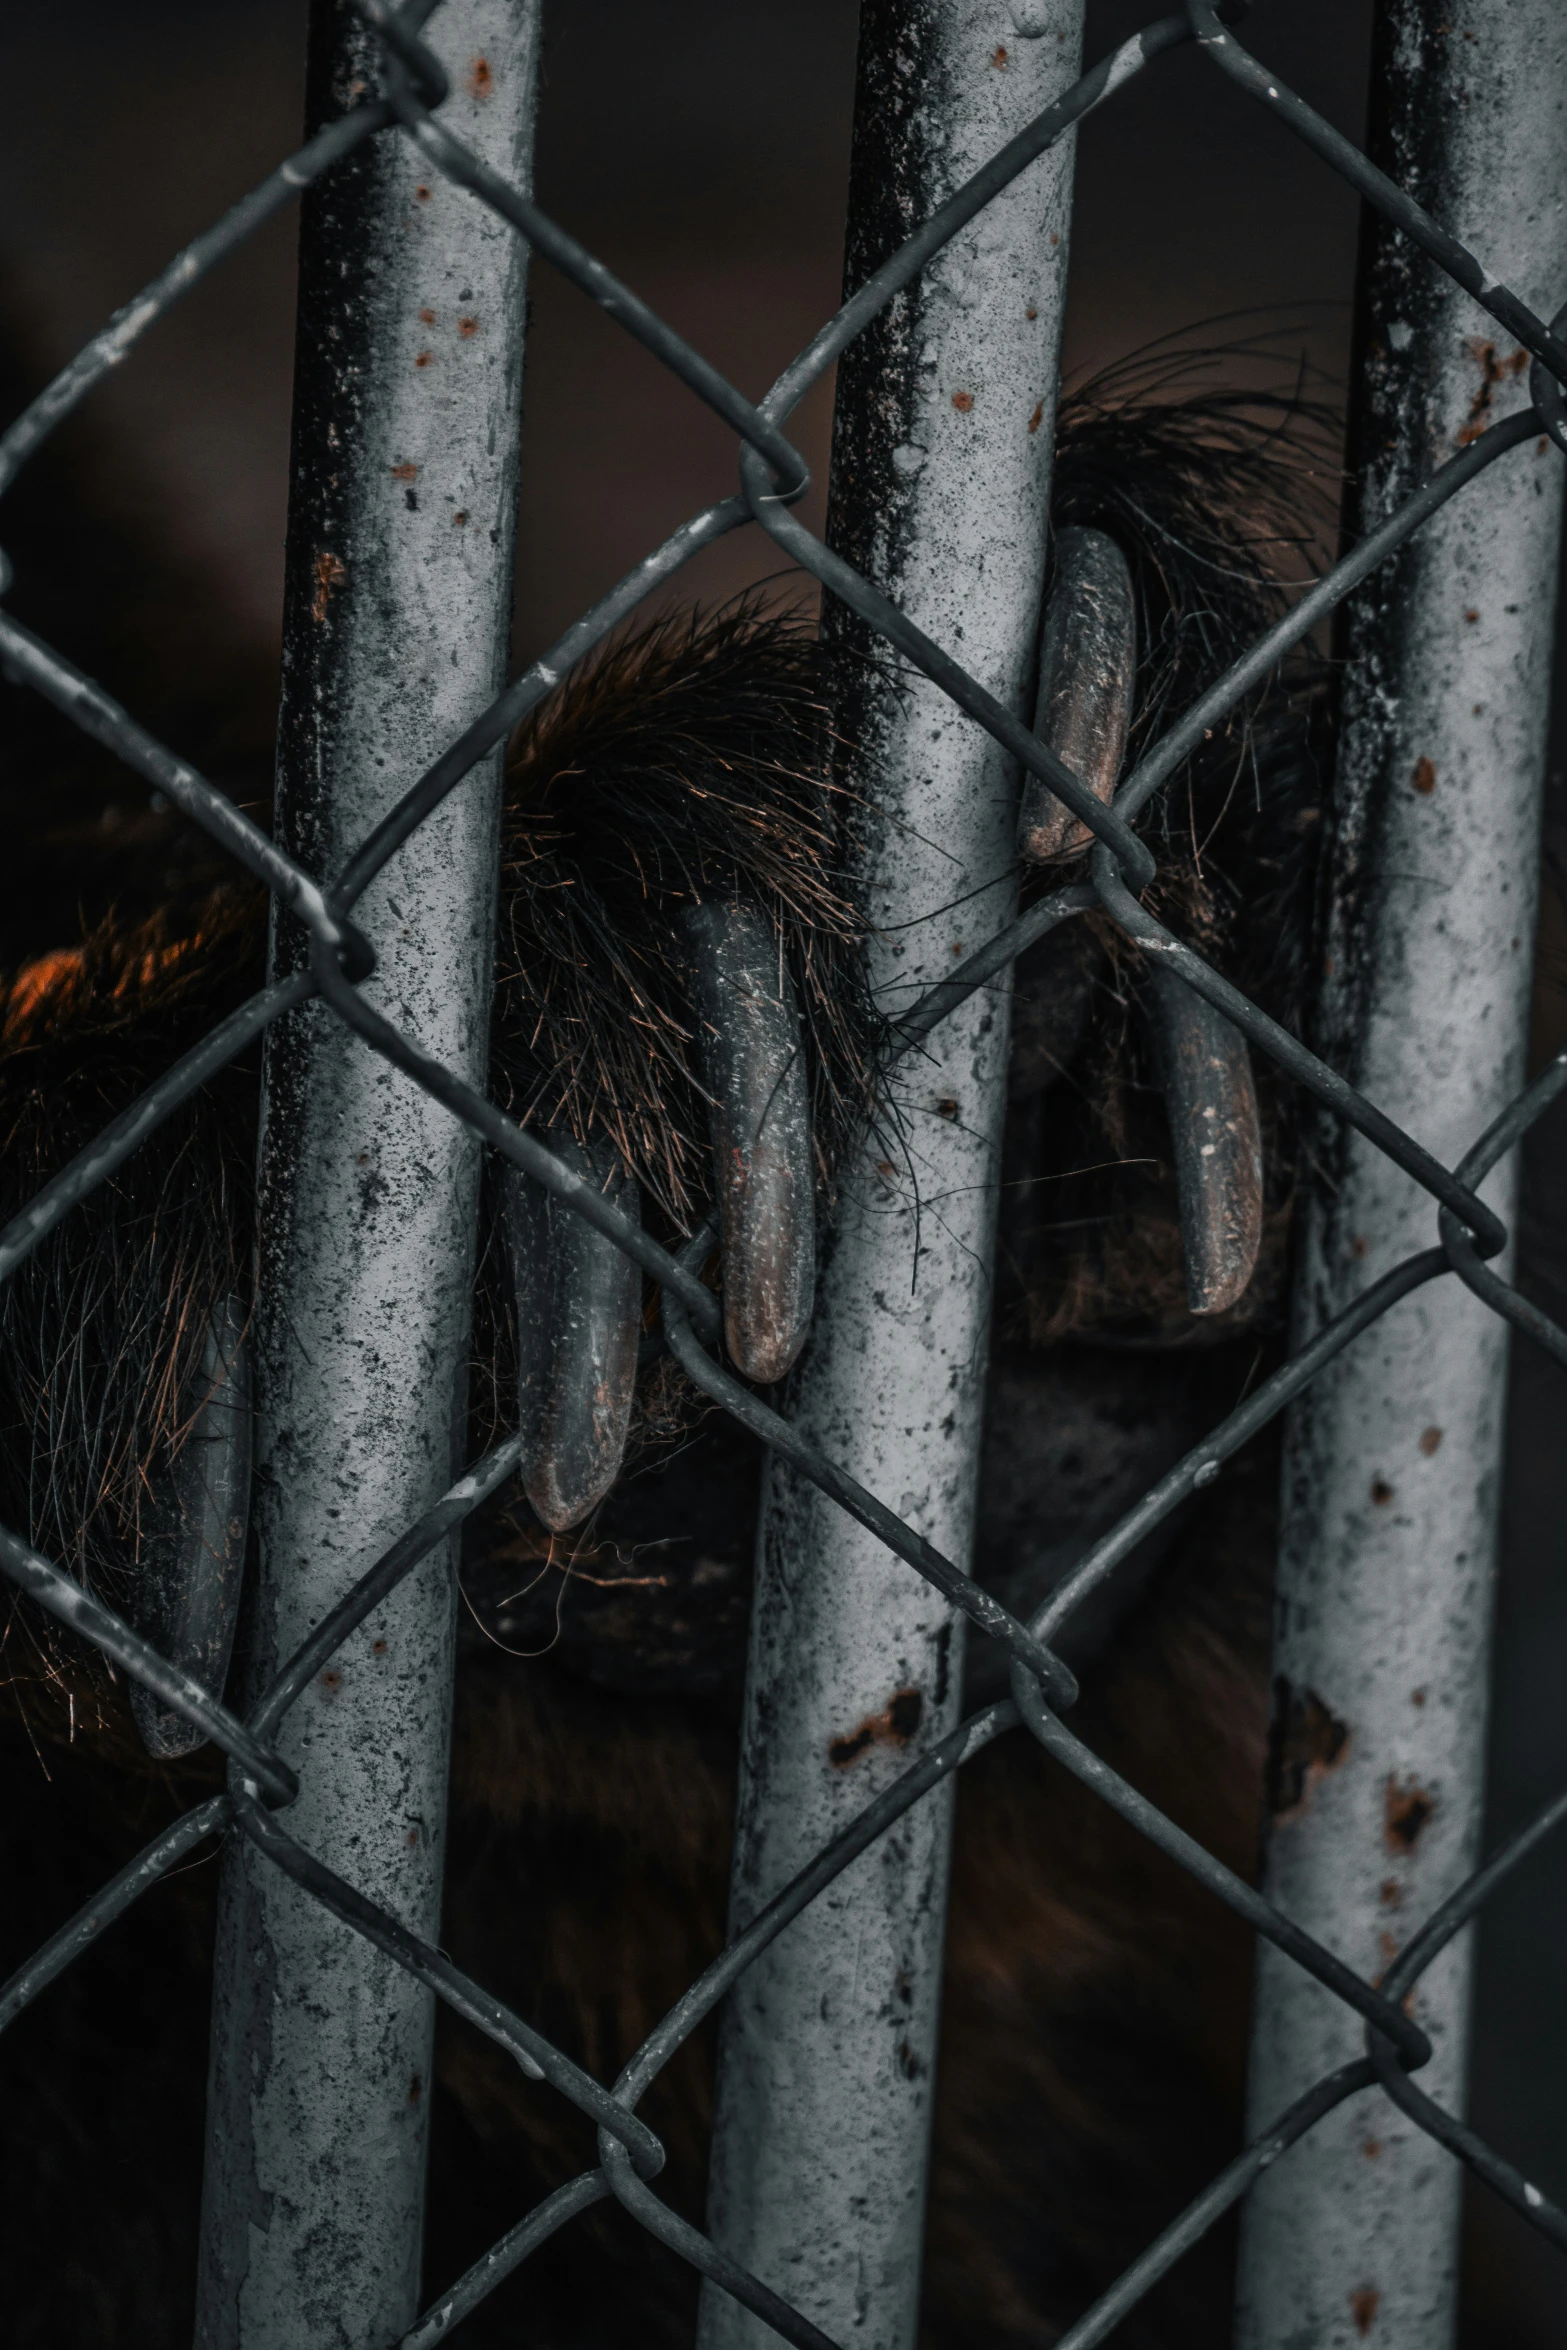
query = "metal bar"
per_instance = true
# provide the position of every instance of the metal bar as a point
(941, 474)
(1387, 1545)
(407, 413)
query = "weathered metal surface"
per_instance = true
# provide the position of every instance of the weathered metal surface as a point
(401, 527)
(578, 1303)
(1390, 1483)
(1087, 680)
(193, 1549)
(1312, 1744)
(764, 1174)
(941, 469)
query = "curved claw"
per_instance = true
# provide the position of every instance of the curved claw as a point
(1211, 1103)
(753, 1066)
(1087, 673)
(192, 1555)
(579, 1317)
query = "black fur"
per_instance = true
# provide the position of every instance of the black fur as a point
(1092, 2037)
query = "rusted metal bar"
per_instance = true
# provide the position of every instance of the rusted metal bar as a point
(407, 407)
(941, 473)
(1390, 1484)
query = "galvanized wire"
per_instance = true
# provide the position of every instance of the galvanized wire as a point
(773, 476)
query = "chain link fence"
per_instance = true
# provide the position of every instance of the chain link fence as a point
(1469, 1237)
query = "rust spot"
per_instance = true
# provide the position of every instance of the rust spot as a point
(963, 402)
(895, 1727)
(480, 81)
(1363, 2305)
(1038, 417)
(1031, 311)
(1430, 1438)
(1371, 2149)
(412, 1839)
(885, 1167)
(1306, 1741)
(1471, 616)
(1493, 371)
(332, 1679)
(467, 328)
(422, 192)
(1417, 1697)
(909, 2064)
(1388, 1945)
(378, 1648)
(405, 473)
(998, 58)
(460, 516)
(428, 317)
(423, 359)
(947, 1107)
(1381, 1492)
(1424, 777)
(330, 573)
(1392, 1893)
(1360, 1246)
(1407, 1809)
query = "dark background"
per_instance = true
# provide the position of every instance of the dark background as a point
(702, 150)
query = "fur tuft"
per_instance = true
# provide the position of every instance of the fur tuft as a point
(688, 762)
(1218, 498)
(102, 1328)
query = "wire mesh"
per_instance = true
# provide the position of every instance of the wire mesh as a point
(773, 476)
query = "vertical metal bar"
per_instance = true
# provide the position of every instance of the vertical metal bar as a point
(941, 475)
(1390, 1484)
(401, 531)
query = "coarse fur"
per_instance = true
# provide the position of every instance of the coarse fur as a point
(1093, 2026)
(686, 761)
(689, 762)
(1217, 495)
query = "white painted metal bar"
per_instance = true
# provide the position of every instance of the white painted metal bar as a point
(941, 472)
(1388, 1543)
(401, 528)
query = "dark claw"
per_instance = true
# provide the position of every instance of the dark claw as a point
(1211, 1103)
(192, 1554)
(579, 1317)
(753, 1066)
(1087, 672)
